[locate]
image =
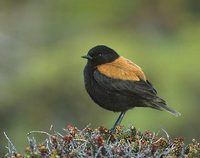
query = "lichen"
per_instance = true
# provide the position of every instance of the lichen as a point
(100, 142)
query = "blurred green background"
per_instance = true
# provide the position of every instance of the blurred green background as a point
(41, 71)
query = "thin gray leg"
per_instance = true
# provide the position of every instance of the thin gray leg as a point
(119, 120)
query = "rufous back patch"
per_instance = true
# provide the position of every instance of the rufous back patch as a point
(123, 69)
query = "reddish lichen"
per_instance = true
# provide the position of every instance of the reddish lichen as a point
(101, 142)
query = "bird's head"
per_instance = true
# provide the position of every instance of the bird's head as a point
(100, 55)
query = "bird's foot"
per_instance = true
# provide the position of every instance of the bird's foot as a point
(112, 130)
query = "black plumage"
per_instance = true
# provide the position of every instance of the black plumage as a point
(118, 84)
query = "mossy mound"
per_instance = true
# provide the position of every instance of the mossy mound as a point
(100, 142)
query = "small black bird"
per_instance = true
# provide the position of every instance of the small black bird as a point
(117, 84)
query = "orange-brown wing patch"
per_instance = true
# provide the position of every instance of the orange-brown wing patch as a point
(123, 69)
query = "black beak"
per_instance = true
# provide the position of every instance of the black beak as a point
(87, 57)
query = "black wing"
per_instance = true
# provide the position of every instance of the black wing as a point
(143, 89)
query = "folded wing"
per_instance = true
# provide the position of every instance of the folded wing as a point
(124, 76)
(127, 78)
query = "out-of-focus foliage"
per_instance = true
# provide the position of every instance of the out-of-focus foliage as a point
(41, 70)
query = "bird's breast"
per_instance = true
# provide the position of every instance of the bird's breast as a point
(89, 79)
(105, 98)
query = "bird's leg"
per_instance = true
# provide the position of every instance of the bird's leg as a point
(119, 120)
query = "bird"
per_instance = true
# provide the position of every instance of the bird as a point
(118, 84)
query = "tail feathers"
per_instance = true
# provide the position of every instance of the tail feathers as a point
(160, 104)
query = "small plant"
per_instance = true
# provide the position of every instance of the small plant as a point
(100, 142)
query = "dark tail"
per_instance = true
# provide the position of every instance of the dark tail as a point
(160, 104)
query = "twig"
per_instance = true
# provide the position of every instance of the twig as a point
(11, 148)
(41, 132)
(168, 137)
